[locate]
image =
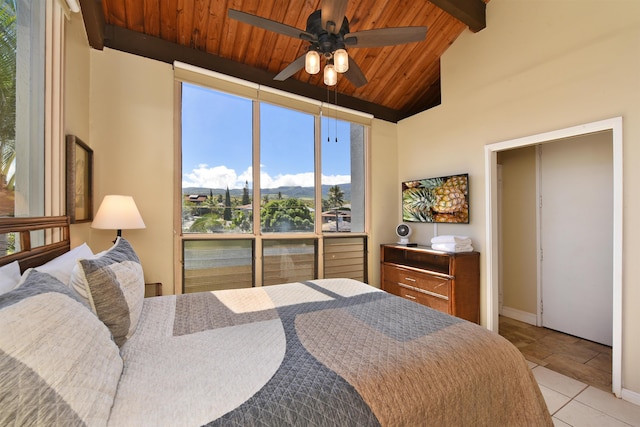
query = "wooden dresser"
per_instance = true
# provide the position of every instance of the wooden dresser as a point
(445, 281)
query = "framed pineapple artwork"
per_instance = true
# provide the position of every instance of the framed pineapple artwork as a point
(443, 199)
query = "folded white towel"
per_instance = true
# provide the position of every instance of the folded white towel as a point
(452, 247)
(452, 239)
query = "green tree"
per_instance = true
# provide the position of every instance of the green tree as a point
(242, 221)
(245, 194)
(336, 197)
(7, 91)
(336, 200)
(286, 215)
(206, 224)
(210, 203)
(227, 206)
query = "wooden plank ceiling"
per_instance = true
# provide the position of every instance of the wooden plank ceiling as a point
(402, 80)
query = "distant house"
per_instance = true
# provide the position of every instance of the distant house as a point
(195, 198)
(340, 217)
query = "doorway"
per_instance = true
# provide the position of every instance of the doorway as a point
(492, 264)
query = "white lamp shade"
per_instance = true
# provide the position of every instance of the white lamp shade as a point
(330, 75)
(118, 213)
(312, 62)
(341, 60)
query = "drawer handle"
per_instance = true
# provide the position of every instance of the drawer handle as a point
(409, 297)
(423, 291)
(410, 279)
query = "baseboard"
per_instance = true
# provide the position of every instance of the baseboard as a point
(630, 396)
(522, 316)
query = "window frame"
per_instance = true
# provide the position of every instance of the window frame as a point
(185, 73)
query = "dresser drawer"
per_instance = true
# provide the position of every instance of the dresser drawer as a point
(415, 279)
(436, 303)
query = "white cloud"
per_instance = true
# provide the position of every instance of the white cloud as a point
(216, 177)
(221, 177)
(336, 179)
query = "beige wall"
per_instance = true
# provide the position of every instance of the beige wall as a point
(76, 99)
(385, 193)
(122, 106)
(518, 230)
(538, 66)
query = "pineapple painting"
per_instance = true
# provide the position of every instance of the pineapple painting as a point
(443, 199)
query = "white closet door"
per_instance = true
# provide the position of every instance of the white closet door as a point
(576, 185)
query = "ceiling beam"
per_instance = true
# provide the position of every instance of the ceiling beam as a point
(94, 22)
(472, 13)
(100, 35)
(161, 50)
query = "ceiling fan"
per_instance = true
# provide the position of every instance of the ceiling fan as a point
(328, 34)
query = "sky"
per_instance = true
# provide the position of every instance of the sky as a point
(216, 143)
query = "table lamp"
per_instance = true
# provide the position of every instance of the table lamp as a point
(118, 213)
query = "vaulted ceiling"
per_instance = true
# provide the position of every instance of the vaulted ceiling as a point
(402, 79)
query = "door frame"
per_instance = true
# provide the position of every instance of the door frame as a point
(491, 225)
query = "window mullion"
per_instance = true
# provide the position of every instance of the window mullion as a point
(318, 194)
(256, 195)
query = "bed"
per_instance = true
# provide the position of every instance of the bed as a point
(93, 351)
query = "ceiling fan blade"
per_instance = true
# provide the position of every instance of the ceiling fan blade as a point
(355, 74)
(270, 25)
(385, 36)
(291, 69)
(333, 14)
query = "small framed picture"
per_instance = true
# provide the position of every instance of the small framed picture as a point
(79, 180)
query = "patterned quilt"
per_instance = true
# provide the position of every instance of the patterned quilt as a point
(323, 352)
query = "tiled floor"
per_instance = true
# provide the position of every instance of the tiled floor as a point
(580, 397)
(574, 403)
(574, 357)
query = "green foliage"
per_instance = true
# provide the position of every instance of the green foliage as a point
(7, 89)
(336, 197)
(286, 215)
(245, 194)
(227, 206)
(209, 223)
(243, 221)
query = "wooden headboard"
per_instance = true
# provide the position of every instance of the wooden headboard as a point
(56, 239)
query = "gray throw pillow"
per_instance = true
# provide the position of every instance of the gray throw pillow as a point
(115, 286)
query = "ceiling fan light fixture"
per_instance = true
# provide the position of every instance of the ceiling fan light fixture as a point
(312, 62)
(330, 75)
(341, 60)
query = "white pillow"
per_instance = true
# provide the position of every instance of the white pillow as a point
(77, 282)
(9, 276)
(59, 364)
(61, 267)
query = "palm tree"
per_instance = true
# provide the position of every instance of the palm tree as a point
(336, 200)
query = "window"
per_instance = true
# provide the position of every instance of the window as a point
(287, 179)
(273, 188)
(30, 82)
(22, 71)
(343, 184)
(216, 162)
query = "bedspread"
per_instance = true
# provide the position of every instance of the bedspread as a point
(323, 352)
